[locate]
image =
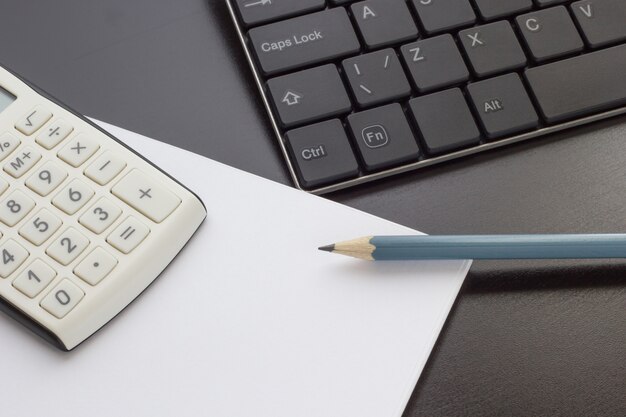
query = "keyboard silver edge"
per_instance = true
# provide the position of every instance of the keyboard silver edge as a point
(409, 167)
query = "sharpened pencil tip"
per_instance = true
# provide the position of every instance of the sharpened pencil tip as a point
(327, 248)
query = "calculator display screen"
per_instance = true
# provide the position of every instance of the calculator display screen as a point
(6, 98)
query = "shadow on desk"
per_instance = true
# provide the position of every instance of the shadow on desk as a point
(532, 275)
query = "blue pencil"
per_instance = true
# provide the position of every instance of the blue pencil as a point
(393, 248)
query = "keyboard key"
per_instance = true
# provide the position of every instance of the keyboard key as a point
(12, 255)
(544, 3)
(260, 11)
(503, 106)
(67, 246)
(383, 22)
(434, 63)
(34, 279)
(106, 167)
(577, 87)
(40, 227)
(309, 95)
(376, 77)
(549, 33)
(100, 216)
(438, 16)
(304, 40)
(54, 134)
(602, 22)
(493, 9)
(62, 299)
(46, 178)
(444, 121)
(322, 153)
(15, 207)
(492, 48)
(97, 265)
(20, 163)
(128, 235)
(33, 120)
(383, 137)
(78, 150)
(146, 195)
(8, 143)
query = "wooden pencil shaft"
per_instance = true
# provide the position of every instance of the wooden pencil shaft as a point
(571, 246)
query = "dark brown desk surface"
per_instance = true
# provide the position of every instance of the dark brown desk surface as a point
(524, 339)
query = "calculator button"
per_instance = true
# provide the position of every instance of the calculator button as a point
(100, 216)
(15, 207)
(68, 246)
(3, 185)
(105, 168)
(54, 134)
(130, 233)
(40, 227)
(46, 179)
(35, 278)
(73, 197)
(12, 255)
(8, 143)
(33, 120)
(20, 163)
(97, 265)
(78, 150)
(62, 299)
(146, 195)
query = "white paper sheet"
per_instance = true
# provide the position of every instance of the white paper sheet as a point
(250, 320)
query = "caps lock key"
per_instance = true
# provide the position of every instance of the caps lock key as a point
(304, 40)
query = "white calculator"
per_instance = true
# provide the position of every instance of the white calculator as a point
(86, 223)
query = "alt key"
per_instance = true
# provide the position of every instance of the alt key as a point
(322, 153)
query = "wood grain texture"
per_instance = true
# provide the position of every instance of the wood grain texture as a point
(524, 339)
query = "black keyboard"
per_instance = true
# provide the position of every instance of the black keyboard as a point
(360, 90)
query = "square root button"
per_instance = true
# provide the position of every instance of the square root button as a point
(322, 154)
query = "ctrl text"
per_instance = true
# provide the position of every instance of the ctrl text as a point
(314, 152)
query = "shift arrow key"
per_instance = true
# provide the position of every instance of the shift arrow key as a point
(309, 95)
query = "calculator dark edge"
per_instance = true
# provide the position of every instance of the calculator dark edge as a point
(423, 163)
(17, 314)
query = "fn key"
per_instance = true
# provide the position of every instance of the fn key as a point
(321, 153)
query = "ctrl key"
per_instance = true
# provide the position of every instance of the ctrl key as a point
(322, 153)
